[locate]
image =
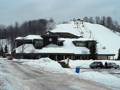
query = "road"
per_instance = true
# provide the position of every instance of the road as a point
(24, 77)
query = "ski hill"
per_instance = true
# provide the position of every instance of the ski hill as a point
(106, 38)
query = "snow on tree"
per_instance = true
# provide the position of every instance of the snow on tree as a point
(51, 24)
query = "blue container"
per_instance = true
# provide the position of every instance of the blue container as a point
(77, 69)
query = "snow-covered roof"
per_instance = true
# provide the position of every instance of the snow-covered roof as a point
(78, 39)
(54, 50)
(82, 50)
(29, 48)
(66, 28)
(30, 37)
(68, 47)
(26, 48)
(77, 50)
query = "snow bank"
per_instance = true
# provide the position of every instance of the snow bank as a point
(46, 64)
(106, 79)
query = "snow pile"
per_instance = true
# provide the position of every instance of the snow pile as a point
(81, 63)
(46, 64)
(106, 79)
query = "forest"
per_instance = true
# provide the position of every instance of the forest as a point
(108, 22)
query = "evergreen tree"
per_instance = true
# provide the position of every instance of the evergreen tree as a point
(119, 54)
(93, 51)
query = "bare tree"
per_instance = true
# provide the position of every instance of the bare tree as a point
(23, 48)
(97, 19)
(103, 21)
(91, 20)
(32, 51)
(51, 24)
(109, 22)
(86, 19)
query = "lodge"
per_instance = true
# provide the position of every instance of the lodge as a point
(56, 46)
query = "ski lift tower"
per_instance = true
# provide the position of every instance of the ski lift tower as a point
(77, 23)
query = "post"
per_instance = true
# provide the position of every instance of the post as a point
(68, 62)
(56, 57)
(64, 57)
(113, 57)
(80, 57)
(39, 56)
(72, 57)
(48, 56)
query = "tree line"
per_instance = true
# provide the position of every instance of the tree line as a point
(36, 27)
(33, 27)
(105, 21)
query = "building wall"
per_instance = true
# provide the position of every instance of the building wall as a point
(102, 57)
(50, 39)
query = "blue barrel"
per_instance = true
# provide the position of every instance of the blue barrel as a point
(77, 69)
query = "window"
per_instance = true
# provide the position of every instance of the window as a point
(81, 44)
(38, 43)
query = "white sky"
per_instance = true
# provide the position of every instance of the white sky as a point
(60, 10)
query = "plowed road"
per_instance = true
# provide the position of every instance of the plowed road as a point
(24, 77)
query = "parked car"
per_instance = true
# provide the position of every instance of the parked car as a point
(96, 65)
(112, 65)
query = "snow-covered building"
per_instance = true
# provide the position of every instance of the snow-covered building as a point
(55, 47)
(72, 40)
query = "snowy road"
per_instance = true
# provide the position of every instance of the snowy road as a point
(24, 77)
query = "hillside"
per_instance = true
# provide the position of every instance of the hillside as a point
(105, 37)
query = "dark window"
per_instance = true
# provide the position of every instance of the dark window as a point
(38, 43)
(80, 44)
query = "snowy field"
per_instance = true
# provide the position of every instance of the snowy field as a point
(102, 76)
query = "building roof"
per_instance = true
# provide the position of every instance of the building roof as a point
(29, 48)
(68, 47)
(82, 50)
(29, 37)
(77, 50)
(63, 28)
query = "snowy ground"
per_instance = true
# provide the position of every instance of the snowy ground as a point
(102, 76)
(96, 76)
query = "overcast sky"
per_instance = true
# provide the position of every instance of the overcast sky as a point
(60, 10)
